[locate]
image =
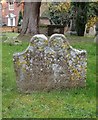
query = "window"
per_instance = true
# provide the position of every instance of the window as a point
(11, 22)
(11, 6)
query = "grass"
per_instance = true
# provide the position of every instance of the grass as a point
(68, 103)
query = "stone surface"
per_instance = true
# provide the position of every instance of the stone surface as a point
(50, 64)
(92, 31)
(96, 39)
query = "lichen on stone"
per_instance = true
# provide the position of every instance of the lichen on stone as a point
(50, 64)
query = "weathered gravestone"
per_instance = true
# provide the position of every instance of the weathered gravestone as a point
(92, 31)
(50, 64)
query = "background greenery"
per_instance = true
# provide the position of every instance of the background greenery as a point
(79, 13)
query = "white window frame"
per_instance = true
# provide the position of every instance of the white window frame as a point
(11, 6)
(9, 22)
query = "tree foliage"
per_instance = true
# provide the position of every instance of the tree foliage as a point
(92, 14)
(20, 18)
(93, 9)
(59, 13)
(81, 9)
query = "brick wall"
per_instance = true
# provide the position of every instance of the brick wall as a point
(8, 29)
(6, 11)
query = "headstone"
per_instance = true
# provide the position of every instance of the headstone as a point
(96, 28)
(85, 32)
(72, 28)
(96, 35)
(50, 64)
(92, 31)
(73, 25)
(96, 39)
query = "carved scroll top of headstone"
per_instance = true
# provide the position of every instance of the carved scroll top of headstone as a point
(49, 64)
(39, 41)
(58, 41)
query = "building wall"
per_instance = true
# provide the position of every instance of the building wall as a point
(0, 13)
(6, 11)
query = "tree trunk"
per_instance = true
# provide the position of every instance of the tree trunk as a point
(31, 18)
(81, 18)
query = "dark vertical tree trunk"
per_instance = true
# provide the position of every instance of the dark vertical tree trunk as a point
(80, 9)
(81, 19)
(31, 18)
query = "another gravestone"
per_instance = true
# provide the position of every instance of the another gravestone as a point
(92, 31)
(50, 64)
(96, 35)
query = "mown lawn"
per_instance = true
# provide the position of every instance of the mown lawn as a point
(68, 103)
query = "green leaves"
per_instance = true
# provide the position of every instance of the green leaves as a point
(59, 13)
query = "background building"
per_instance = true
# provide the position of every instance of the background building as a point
(0, 14)
(10, 13)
